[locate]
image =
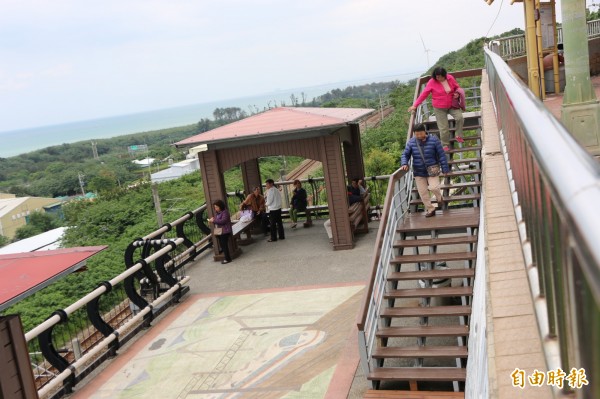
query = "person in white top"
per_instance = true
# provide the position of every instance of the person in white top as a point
(273, 202)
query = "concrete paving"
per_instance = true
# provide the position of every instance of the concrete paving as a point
(277, 322)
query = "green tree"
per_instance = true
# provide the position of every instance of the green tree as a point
(38, 223)
(3, 240)
(379, 162)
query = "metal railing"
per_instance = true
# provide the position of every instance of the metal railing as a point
(73, 341)
(514, 46)
(394, 209)
(556, 186)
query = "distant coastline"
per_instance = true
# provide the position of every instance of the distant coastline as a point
(16, 142)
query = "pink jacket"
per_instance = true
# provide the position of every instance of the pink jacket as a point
(439, 97)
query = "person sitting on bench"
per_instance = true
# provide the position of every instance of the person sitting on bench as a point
(298, 202)
(256, 202)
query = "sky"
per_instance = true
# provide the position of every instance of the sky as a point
(72, 60)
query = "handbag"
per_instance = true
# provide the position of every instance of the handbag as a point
(217, 231)
(432, 170)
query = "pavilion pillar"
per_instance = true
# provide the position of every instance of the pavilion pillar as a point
(251, 175)
(355, 166)
(213, 184)
(337, 196)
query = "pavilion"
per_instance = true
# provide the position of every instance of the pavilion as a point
(328, 135)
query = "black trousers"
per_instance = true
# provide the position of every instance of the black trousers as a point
(224, 243)
(276, 224)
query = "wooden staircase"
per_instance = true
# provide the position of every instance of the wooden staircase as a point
(424, 323)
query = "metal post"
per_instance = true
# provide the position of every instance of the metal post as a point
(533, 66)
(580, 108)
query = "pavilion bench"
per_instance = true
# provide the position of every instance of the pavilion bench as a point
(359, 215)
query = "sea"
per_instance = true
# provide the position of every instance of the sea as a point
(16, 142)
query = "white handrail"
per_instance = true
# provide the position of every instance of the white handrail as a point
(55, 319)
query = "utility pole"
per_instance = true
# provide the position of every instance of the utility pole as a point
(95, 150)
(81, 183)
(156, 198)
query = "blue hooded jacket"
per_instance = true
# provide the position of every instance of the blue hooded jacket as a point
(433, 151)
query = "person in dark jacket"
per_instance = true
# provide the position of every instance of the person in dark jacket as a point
(298, 202)
(354, 194)
(223, 220)
(434, 155)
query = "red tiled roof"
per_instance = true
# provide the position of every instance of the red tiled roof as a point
(279, 121)
(25, 273)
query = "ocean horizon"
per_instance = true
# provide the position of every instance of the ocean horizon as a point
(21, 141)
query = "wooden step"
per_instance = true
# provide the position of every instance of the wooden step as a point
(451, 198)
(423, 331)
(452, 219)
(389, 394)
(463, 149)
(465, 172)
(436, 257)
(426, 242)
(418, 374)
(432, 274)
(429, 311)
(451, 186)
(467, 138)
(463, 160)
(429, 292)
(420, 351)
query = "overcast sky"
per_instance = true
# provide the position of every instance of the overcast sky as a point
(69, 60)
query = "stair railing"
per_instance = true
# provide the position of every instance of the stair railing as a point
(395, 208)
(555, 188)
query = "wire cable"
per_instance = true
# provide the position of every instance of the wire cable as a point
(495, 19)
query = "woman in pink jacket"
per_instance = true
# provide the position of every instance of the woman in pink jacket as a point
(443, 88)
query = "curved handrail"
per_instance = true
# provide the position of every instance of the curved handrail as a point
(556, 185)
(362, 315)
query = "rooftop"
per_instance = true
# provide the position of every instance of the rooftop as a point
(277, 122)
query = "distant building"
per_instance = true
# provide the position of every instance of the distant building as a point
(15, 212)
(144, 163)
(176, 170)
(41, 242)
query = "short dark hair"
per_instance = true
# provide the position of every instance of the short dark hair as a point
(419, 127)
(297, 182)
(270, 181)
(438, 71)
(220, 204)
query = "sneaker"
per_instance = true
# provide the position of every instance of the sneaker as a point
(224, 262)
(460, 139)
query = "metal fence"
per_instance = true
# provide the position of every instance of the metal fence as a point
(514, 46)
(556, 186)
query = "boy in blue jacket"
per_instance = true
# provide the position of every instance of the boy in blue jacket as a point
(426, 150)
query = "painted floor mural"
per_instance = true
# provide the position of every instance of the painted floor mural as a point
(261, 345)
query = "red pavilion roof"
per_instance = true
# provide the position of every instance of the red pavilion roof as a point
(25, 273)
(279, 121)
